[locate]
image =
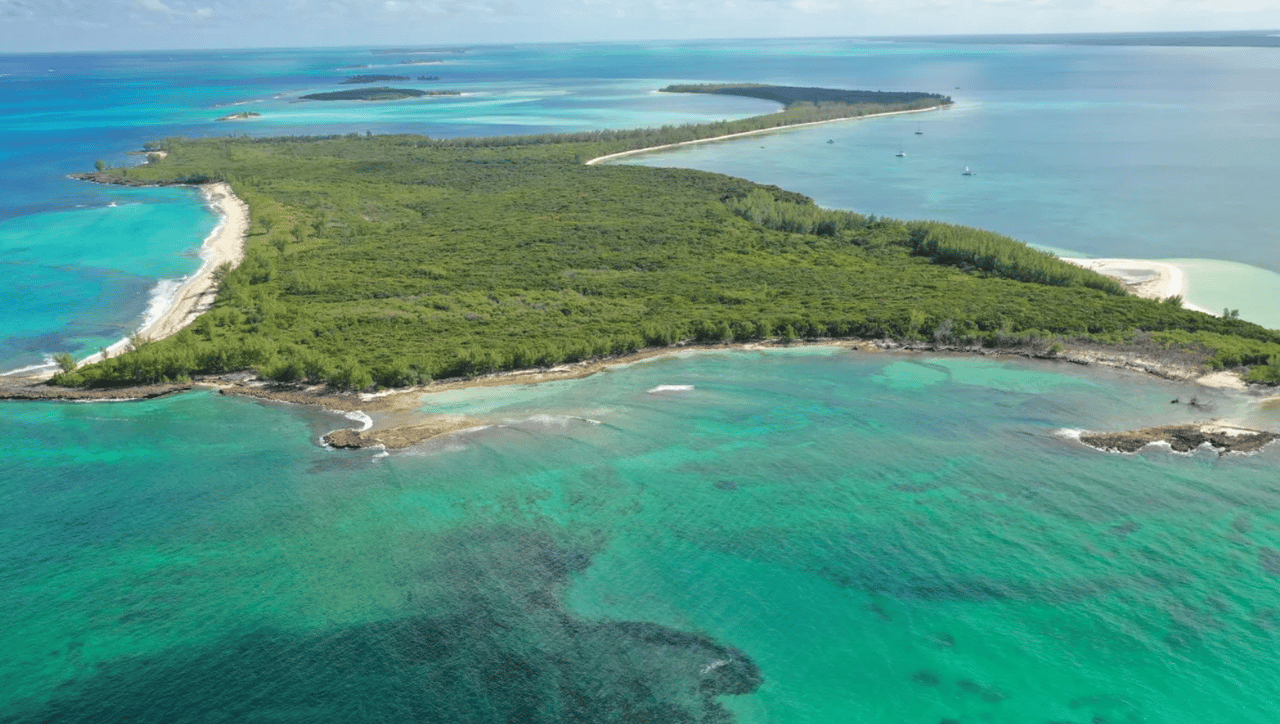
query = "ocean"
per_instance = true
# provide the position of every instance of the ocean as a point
(797, 535)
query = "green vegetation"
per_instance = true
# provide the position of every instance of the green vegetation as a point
(962, 246)
(392, 260)
(65, 361)
(380, 93)
(374, 78)
(790, 95)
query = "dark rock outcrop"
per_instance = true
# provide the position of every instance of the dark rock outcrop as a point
(1183, 438)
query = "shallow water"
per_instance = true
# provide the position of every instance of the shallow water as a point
(887, 538)
(81, 279)
(1105, 151)
(846, 536)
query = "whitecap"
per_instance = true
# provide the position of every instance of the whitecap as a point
(365, 421)
(163, 295)
(670, 388)
(47, 364)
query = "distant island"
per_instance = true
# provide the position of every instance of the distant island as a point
(241, 116)
(419, 62)
(354, 66)
(374, 78)
(376, 94)
(789, 95)
(390, 261)
(1192, 39)
(410, 51)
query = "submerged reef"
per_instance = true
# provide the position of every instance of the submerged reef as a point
(482, 637)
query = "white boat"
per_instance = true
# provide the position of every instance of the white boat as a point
(918, 131)
(966, 172)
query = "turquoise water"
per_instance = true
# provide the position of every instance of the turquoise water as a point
(1147, 152)
(883, 538)
(80, 279)
(806, 535)
(1139, 152)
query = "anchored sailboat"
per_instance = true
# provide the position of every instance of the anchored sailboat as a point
(966, 172)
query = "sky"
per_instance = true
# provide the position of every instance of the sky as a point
(64, 25)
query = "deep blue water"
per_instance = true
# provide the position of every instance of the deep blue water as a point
(794, 536)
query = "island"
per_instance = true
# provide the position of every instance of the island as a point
(241, 116)
(788, 95)
(400, 260)
(411, 51)
(374, 78)
(380, 93)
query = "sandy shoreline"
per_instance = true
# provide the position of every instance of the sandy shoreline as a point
(195, 294)
(177, 303)
(756, 132)
(1145, 278)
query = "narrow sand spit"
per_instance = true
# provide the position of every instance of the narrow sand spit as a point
(756, 132)
(1145, 278)
(196, 293)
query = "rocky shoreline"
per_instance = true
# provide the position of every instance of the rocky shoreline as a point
(1221, 438)
(401, 422)
(32, 388)
(106, 177)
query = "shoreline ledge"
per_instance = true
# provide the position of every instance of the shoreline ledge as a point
(1219, 437)
(400, 420)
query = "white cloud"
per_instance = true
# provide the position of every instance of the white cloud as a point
(256, 23)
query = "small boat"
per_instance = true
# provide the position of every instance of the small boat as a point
(831, 140)
(901, 153)
(918, 131)
(966, 172)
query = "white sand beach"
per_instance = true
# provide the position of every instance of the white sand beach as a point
(757, 132)
(190, 297)
(1145, 278)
